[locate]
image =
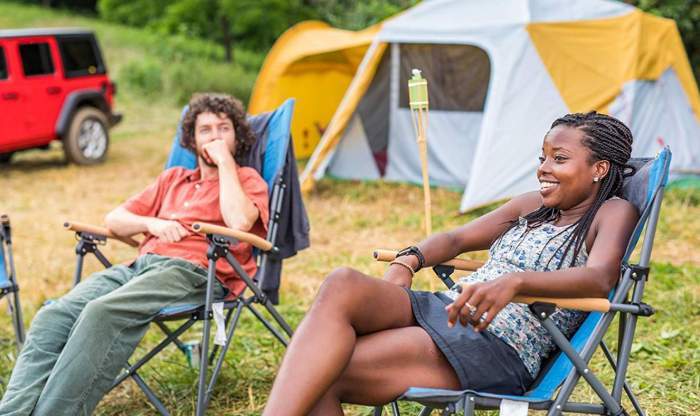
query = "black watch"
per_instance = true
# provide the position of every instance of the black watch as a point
(413, 251)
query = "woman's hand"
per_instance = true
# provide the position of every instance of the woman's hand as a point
(398, 275)
(483, 297)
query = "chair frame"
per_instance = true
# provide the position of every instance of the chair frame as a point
(91, 237)
(11, 290)
(633, 279)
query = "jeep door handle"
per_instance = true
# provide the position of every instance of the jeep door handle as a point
(53, 90)
(10, 96)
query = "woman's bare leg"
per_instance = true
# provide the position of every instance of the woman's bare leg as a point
(383, 365)
(349, 304)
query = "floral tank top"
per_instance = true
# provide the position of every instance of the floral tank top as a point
(528, 249)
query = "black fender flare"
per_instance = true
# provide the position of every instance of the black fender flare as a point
(73, 101)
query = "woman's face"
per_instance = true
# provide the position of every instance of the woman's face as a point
(566, 173)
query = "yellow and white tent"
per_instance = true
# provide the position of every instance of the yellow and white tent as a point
(499, 72)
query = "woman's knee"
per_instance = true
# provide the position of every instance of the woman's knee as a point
(339, 285)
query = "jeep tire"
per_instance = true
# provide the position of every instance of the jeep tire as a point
(87, 140)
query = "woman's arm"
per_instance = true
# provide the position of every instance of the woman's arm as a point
(478, 234)
(610, 232)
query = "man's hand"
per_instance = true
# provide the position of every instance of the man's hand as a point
(398, 275)
(216, 152)
(170, 231)
(483, 297)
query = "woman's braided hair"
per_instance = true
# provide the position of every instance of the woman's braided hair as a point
(219, 104)
(608, 139)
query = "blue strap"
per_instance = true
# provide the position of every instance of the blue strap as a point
(4, 279)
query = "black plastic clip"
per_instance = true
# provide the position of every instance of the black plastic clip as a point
(218, 247)
(639, 272)
(644, 309)
(444, 272)
(542, 310)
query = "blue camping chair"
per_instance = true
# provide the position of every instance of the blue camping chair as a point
(276, 132)
(563, 370)
(8, 280)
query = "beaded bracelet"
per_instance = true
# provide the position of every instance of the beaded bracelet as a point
(410, 269)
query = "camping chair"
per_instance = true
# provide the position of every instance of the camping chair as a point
(564, 368)
(8, 281)
(90, 237)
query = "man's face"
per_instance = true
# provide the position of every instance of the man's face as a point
(209, 127)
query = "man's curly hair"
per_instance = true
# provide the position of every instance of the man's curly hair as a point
(218, 104)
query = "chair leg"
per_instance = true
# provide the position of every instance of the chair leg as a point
(268, 325)
(204, 358)
(628, 390)
(395, 408)
(426, 411)
(220, 361)
(150, 395)
(469, 406)
(378, 411)
(215, 348)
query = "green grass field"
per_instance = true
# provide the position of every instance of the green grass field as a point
(348, 220)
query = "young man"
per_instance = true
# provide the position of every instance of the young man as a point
(77, 345)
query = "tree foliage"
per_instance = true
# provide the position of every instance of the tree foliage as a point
(254, 24)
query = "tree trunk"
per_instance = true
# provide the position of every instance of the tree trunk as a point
(227, 38)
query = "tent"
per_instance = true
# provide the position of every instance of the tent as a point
(314, 63)
(499, 72)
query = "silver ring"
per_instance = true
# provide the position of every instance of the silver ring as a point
(472, 309)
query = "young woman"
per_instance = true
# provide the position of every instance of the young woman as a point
(366, 340)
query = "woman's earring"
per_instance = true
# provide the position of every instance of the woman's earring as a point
(596, 179)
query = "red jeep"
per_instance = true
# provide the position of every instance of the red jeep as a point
(54, 86)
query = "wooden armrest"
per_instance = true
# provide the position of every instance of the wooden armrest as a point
(206, 228)
(457, 263)
(580, 304)
(80, 227)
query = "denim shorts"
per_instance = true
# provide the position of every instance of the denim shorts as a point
(482, 361)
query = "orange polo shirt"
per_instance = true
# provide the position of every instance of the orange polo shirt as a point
(182, 195)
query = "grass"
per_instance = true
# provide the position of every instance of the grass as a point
(348, 220)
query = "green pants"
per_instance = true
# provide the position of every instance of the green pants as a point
(77, 345)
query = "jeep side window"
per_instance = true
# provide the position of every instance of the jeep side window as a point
(3, 64)
(36, 59)
(79, 57)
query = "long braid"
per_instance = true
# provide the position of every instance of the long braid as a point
(608, 139)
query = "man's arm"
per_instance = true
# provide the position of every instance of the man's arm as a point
(237, 210)
(125, 223)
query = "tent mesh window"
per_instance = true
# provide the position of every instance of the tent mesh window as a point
(458, 75)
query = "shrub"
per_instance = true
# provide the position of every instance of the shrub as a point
(188, 77)
(142, 76)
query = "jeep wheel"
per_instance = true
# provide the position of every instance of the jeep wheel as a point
(5, 158)
(88, 139)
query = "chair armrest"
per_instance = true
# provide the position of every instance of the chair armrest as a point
(254, 240)
(579, 304)
(80, 227)
(457, 263)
